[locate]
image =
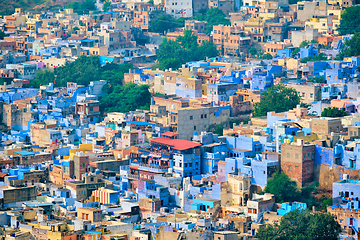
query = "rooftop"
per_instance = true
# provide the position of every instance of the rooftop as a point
(177, 144)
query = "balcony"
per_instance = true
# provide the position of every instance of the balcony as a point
(151, 168)
(133, 176)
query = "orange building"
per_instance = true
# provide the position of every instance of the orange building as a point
(91, 214)
(231, 40)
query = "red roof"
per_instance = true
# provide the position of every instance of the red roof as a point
(169, 134)
(177, 144)
(2, 174)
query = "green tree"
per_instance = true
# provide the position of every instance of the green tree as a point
(253, 51)
(114, 74)
(295, 51)
(164, 23)
(302, 225)
(333, 112)
(303, 44)
(351, 46)
(267, 56)
(278, 98)
(82, 7)
(213, 17)
(207, 49)
(106, 5)
(188, 40)
(128, 97)
(219, 130)
(320, 57)
(82, 71)
(350, 21)
(151, 2)
(184, 49)
(2, 35)
(283, 188)
(317, 79)
(42, 77)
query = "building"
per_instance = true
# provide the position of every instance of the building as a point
(231, 40)
(308, 92)
(325, 125)
(88, 111)
(89, 213)
(227, 6)
(297, 161)
(186, 155)
(179, 8)
(11, 195)
(346, 204)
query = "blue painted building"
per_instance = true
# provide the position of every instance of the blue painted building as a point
(289, 207)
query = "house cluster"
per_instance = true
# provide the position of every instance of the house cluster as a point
(70, 172)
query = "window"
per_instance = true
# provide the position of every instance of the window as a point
(202, 116)
(194, 127)
(205, 116)
(191, 117)
(308, 169)
(289, 168)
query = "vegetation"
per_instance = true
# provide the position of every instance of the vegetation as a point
(267, 56)
(126, 98)
(320, 57)
(283, 188)
(295, 51)
(7, 7)
(219, 130)
(351, 47)
(350, 21)
(278, 98)
(302, 225)
(184, 49)
(82, 7)
(2, 35)
(252, 51)
(166, 22)
(305, 43)
(213, 16)
(106, 5)
(333, 112)
(317, 79)
(84, 69)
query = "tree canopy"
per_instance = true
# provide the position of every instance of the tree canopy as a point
(85, 69)
(333, 112)
(351, 46)
(317, 79)
(2, 35)
(166, 22)
(82, 7)
(350, 21)
(126, 98)
(320, 57)
(106, 5)
(213, 17)
(184, 49)
(283, 188)
(302, 225)
(278, 98)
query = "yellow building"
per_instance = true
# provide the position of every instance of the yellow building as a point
(326, 25)
(256, 27)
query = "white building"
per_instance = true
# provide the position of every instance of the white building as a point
(179, 8)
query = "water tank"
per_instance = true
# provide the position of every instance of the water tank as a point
(97, 171)
(169, 170)
(345, 177)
